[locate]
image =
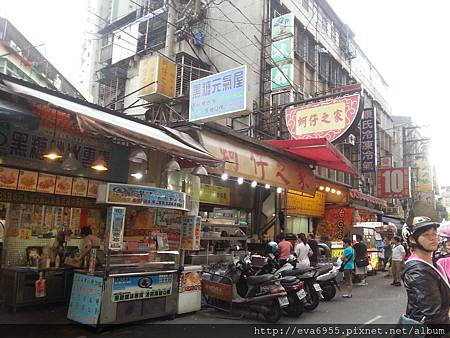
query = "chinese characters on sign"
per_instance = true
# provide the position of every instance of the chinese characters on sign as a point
(425, 176)
(254, 164)
(191, 232)
(281, 76)
(394, 182)
(368, 143)
(157, 77)
(336, 223)
(115, 222)
(283, 50)
(329, 119)
(218, 94)
(305, 205)
(214, 194)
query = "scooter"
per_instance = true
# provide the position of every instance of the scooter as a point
(260, 294)
(328, 283)
(294, 287)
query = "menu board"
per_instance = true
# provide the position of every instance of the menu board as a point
(63, 185)
(92, 188)
(46, 183)
(127, 194)
(8, 178)
(86, 298)
(27, 180)
(190, 236)
(79, 187)
(115, 222)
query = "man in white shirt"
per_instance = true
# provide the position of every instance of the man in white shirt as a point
(398, 260)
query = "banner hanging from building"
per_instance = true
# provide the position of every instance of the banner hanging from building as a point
(425, 176)
(218, 95)
(336, 223)
(328, 119)
(368, 142)
(394, 182)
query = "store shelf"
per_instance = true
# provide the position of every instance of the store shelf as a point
(224, 239)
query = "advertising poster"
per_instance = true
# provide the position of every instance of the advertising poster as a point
(336, 223)
(8, 178)
(191, 232)
(282, 25)
(141, 287)
(46, 183)
(115, 222)
(190, 281)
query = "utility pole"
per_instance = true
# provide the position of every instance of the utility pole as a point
(171, 28)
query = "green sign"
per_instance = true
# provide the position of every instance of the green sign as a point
(282, 25)
(282, 76)
(282, 50)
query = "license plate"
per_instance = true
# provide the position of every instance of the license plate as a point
(283, 301)
(317, 287)
(301, 294)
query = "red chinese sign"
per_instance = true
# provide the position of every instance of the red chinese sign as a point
(252, 163)
(328, 119)
(336, 223)
(394, 182)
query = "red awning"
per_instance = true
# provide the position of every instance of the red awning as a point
(319, 150)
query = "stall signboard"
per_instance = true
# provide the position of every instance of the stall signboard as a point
(137, 195)
(336, 223)
(219, 95)
(299, 204)
(191, 233)
(25, 148)
(282, 26)
(368, 142)
(190, 281)
(425, 176)
(115, 221)
(281, 76)
(251, 163)
(327, 119)
(86, 299)
(157, 76)
(283, 50)
(214, 194)
(217, 290)
(394, 182)
(129, 288)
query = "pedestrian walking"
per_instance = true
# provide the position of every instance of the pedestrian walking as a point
(387, 248)
(314, 248)
(398, 259)
(361, 260)
(285, 249)
(427, 288)
(347, 267)
(302, 251)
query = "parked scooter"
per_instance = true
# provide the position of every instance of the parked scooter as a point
(294, 287)
(260, 294)
(327, 281)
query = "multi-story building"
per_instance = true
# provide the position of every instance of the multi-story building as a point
(19, 58)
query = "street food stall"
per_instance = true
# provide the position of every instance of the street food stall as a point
(371, 234)
(140, 273)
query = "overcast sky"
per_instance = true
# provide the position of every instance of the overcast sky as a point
(406, 40)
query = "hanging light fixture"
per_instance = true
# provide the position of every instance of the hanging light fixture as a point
(327, 189)
(199, 171)
(224, 176)
(321, 188)
(138, 156)
(254, 184)
(172, 165)
(53, 153)
(138, 175)
(99, 164)
(240, 180)
(70, 163)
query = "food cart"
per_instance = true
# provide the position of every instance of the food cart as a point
(140, 275)
(371, 233)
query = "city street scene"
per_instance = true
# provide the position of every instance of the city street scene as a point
(225, 168)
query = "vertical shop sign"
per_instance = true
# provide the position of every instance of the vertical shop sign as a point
(425, 176)
(336, 223)
(190, 237)
(283, 50)
(282, 76)
(282, 25)
(115, 222)
(368, 142)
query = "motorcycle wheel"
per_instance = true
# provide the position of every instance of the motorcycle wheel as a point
(328, 292)
(312, 298)
(295, 307)
(275, 312)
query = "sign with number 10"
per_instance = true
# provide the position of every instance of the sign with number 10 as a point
(394, 182)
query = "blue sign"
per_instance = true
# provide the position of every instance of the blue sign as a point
(86, 299)
(368, 143)
(141, 287)
(218, 94)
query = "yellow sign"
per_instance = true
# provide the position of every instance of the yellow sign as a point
(251, 163)
(313, 206)
(336, 253)
(317, 119)
(157, 76)
(214, 194)
(425, 176)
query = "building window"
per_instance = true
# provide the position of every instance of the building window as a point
(153, 33)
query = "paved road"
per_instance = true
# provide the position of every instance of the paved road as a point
(377, 303)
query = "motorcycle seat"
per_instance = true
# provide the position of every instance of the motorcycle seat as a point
(323, 271)
(254, 280)
(299, 273)
(289, 280)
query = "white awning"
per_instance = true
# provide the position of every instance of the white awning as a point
(111, 125)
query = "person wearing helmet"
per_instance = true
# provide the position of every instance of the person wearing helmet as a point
(426, 286)
(271, 248)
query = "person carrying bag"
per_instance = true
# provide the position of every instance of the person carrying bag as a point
(347, 267)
